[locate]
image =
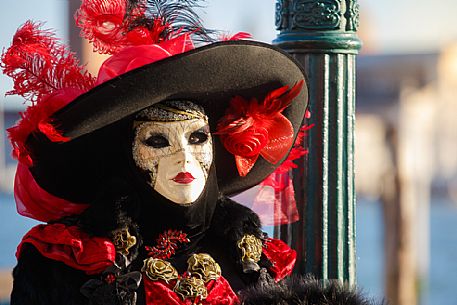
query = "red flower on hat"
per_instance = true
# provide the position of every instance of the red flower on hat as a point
(250, 128)
(247, 143)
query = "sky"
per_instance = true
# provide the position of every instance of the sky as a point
(386, 26)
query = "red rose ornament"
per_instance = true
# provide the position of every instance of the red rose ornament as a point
(249, 128)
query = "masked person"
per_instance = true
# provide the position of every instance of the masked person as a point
(131, 170)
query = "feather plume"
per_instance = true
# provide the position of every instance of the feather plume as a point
(39, 65)
(102, 23)
(237, 36)
(47, 75)
(177, 17)
(112, 25)
(279, 99)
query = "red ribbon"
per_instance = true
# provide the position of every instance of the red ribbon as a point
(133, 57)
(34, 202)
(69, 245)
(275, 201)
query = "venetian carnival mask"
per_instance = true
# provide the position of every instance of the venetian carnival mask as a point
(173, 144)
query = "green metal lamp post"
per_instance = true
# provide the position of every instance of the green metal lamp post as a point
(321, 35)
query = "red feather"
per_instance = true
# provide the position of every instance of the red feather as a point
(108, 26)
(35, 118)
(45, 73)
(237, 36)
(39, 65)
(277, 100)
(102, 23)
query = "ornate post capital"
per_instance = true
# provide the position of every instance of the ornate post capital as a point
(324, 25)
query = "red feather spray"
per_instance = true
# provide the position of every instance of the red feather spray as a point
(47, 75)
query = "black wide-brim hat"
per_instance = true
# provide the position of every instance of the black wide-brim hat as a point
(210, 76)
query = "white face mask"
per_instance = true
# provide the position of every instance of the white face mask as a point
(177, 155)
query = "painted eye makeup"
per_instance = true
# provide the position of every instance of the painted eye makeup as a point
(156, 141)
(198, 137)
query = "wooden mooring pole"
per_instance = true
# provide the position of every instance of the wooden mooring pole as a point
(321, 34)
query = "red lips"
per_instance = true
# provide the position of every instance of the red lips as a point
(183, 178)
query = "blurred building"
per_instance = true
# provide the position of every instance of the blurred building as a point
(406, 155)
(394, 88)
(7, 164)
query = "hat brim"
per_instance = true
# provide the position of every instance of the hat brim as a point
(211, 76)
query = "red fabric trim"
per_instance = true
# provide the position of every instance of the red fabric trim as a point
(161, 293)
(34, 202)
(69, 245)
(281, 256)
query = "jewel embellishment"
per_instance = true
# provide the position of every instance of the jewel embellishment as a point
(167, 243)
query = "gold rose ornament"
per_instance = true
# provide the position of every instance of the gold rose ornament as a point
(123, 241)
(251, 251)
(191, 287)
(158, 269)
(203, 266)
(251, 248)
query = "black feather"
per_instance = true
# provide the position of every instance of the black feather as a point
(180, 16)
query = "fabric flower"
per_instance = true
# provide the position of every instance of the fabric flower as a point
(248, 143)
(191, 288)
(157, 269)
(218, 292)
(203, 266)
(250, 128)
(251, 248)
